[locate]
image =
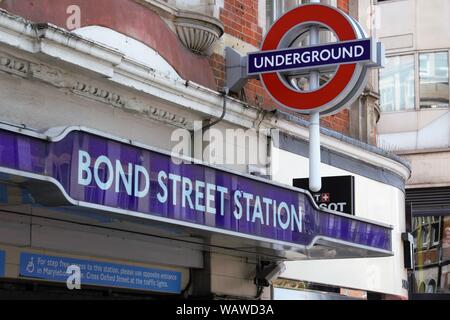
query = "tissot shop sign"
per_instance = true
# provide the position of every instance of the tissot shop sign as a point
(95, 171)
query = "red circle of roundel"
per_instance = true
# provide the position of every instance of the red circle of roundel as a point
(344, 31)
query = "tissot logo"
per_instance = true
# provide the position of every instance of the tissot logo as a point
(325, 197)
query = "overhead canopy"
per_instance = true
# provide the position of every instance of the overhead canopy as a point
(94, 172)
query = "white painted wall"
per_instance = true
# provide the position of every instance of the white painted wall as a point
(131, 48)
(395, 32)
(414, 24)
(433, 22)
(431, 134)
(373, 200)
(201, 6)
(430, 169)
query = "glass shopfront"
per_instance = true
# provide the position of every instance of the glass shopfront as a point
(431, 231)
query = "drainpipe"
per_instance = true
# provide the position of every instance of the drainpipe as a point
(224, 93)
(197, 132)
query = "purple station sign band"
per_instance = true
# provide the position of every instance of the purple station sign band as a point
(95, 171)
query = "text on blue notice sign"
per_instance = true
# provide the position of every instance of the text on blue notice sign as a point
(54, 268)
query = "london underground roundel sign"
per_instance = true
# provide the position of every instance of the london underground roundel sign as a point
(284, 59)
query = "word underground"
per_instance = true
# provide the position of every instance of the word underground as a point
(346, 52)
(195, 195)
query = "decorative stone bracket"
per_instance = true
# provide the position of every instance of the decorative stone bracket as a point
(197, 31)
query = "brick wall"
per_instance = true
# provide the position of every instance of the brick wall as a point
(344, 5)
(341, 121)
(240, 18)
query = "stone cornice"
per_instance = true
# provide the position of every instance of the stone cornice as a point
(58, 78)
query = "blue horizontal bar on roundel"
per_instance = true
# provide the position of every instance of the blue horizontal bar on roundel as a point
(310, 57)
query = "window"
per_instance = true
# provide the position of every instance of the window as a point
(422, 287)
(397, 84)
(402, 89)
(431, 288)
(275, 8)
(299, 80)
(435, 234)
(425, 237)
(434, 89)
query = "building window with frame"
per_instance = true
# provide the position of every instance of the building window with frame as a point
(435, 234)
(434, 86)
(431, 287)
(276, 8)
(425, 237)
(397, 84)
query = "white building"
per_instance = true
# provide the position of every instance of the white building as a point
(415, 123)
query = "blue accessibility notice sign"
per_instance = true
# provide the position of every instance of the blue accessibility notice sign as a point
(2, 263)
(55, 268)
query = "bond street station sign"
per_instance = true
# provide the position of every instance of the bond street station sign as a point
(87, 169)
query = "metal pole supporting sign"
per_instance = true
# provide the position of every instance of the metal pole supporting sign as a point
(315, 177)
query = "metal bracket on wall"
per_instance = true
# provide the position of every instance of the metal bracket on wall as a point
(236, 70)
